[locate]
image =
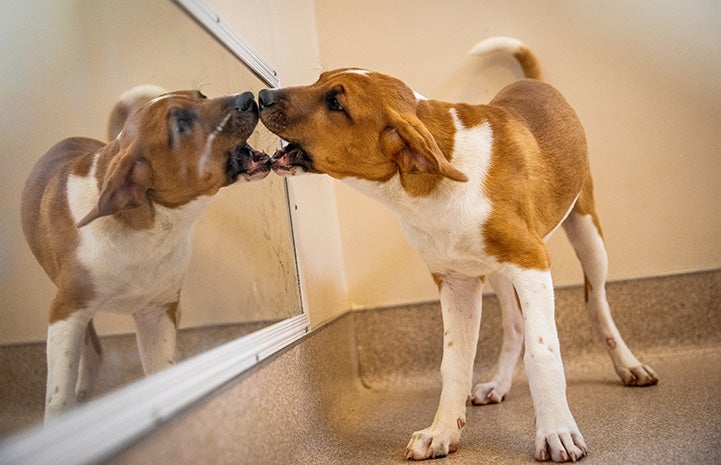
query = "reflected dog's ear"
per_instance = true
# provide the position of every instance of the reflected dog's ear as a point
(126, 187)
(413, 148)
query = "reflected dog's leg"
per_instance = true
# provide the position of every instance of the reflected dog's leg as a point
(156, 334)
(64, 347)
(90, 360)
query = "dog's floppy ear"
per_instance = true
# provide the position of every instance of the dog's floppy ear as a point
(125, 187)
(414, 149)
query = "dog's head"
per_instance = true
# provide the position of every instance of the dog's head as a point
(178, 147)
(352, 123)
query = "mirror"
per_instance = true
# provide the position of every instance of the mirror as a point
(65, 62)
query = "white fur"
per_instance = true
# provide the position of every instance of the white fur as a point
(360, 72)
(142, 91)
(132, 269)
(208, 150)
(588, 244)
(544, 367)
(65, 337)
(461, 306)
(508, 45)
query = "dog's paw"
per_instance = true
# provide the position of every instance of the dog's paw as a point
(488, 393)
(560, 447)
(432, 443)
(640, 375)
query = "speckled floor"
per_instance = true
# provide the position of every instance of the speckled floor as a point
(23, 371)
(353, 391)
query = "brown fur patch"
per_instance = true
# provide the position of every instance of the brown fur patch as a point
(539, 149)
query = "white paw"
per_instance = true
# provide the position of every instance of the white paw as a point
(432, 443)
(489, 393)
(640, 375)
(565, 446)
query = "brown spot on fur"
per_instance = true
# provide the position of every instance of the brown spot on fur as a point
(437, 279)
(587, 288)
(461, 423)
(540, 340)
(450, 344)
(611, 343)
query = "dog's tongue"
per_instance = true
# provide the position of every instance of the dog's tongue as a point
(290, 160)
(246, 163)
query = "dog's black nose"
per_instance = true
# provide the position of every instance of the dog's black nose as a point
(245, 102)
(266, 98)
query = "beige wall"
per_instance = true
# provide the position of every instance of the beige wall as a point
(643, 76)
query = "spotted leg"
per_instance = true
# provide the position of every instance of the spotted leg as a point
(461, 307)
(584, 232)
(64, 347)
(557, 435)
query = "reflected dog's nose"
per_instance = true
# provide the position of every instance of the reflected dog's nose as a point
(245, 102)
(267, 98)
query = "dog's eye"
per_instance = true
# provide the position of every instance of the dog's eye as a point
(181, 120)
(182, 125)
(333, 103)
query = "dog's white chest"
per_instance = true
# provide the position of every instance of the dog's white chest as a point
(131, 269)
(445, 227)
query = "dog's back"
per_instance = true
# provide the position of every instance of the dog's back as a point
(44, 205)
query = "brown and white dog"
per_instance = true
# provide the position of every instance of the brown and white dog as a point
(111, 223)
(478, 189)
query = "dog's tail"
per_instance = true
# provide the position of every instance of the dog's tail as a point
(128, 102)
(525, 57)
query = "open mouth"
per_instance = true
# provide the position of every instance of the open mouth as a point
(291, 160)
(247, 164)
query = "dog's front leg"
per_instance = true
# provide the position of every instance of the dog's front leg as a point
(64, 346)
(557, 436)
(156, 333)
(461, 307)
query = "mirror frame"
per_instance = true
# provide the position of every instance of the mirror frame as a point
(103, 427)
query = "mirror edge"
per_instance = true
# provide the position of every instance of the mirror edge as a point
(86, 435)
(105, 426)
(199, 11)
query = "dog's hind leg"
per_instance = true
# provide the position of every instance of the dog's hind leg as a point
(90, 360)
(494, 391)
(584, 231)
(156, 334)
